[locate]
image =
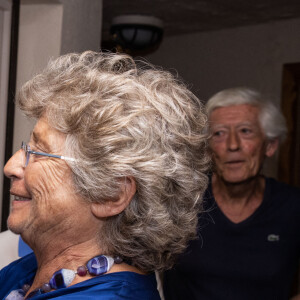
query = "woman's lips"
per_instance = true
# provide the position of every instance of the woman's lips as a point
(19, 198)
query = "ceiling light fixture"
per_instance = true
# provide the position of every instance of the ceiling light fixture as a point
(136, 33)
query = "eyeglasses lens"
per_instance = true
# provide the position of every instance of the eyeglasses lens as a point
(26, 149)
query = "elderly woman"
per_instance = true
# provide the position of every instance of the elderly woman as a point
(108, 188)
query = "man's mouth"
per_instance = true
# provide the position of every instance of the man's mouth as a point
(234, 162)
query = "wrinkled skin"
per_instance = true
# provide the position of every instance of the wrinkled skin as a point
(45, 204)
(238, 143)
(61, 227)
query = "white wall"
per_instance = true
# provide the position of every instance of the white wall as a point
(245, 56)
(82, 25)
(49, 28)
(39, 39)
(215, 60)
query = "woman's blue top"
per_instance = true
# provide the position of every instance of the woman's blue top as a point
(119, 285)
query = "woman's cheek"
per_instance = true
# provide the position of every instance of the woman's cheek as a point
(45, 178)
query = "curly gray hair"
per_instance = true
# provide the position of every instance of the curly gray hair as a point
(271, 119)
(124, 119)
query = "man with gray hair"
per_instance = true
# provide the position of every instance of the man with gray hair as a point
(249, 236)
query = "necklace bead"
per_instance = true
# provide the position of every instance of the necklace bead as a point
(99, 265)
(62, 278)
(81, 271)
(118, 260)
(46, 287)
(26, 287)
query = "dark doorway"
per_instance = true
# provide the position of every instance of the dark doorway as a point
(289, 156)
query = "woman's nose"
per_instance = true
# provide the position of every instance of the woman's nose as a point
(14, 168)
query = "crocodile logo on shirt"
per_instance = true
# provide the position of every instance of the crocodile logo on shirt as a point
(273, 238)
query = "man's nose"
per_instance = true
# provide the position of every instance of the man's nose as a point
(14, 168)
(233, 141)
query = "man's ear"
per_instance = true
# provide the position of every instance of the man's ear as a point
(117, 205)
(271, 147)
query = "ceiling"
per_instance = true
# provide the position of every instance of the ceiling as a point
(189, 16)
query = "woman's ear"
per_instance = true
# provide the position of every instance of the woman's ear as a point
(271, 147)
(117, 205)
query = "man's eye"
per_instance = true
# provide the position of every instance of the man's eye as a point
(218, 133)
(246, 130)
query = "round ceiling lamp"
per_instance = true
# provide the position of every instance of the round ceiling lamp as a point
(137, 33)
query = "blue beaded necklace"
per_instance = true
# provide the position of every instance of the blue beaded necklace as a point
(62, 278)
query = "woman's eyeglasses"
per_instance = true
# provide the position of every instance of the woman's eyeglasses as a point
(28, 151)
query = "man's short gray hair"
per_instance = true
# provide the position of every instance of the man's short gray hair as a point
(271, 119)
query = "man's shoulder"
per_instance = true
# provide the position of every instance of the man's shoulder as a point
(279, 188)
(283, 197)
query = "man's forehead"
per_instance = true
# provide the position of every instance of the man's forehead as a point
(235, 114)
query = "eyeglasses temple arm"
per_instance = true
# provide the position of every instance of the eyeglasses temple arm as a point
(52, 155)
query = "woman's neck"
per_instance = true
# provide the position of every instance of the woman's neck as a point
(59, 255)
